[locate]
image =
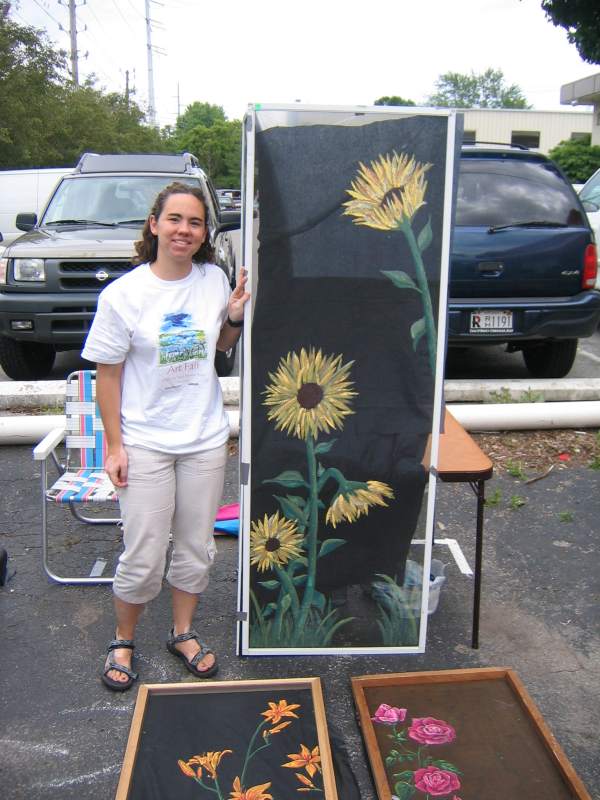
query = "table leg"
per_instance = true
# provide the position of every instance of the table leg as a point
(479, 489)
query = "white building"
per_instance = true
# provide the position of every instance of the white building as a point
(586, 92)
(541, 130)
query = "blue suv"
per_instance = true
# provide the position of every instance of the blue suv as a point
(524, 260)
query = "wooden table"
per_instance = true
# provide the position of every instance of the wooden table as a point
(461, 460)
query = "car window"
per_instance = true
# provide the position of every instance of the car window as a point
(591, 190)
(107, 198)
(504, 191)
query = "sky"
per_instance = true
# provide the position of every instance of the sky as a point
(325, 52)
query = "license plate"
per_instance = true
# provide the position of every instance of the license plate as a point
(491, 322)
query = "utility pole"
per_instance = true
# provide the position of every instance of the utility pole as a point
(127, 89)
(72, 6)
(151, 102)
(73, 32)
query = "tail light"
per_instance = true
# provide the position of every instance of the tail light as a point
(590, 267)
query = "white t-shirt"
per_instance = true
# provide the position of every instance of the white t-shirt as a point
(166, 333)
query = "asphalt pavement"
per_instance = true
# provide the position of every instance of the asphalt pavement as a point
(63, 735)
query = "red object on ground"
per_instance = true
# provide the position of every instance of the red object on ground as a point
(564, 457)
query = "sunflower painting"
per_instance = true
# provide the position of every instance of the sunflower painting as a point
(341, 386)
(310, 394)
(386, 196)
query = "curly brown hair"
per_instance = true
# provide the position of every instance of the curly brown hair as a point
(147, 247)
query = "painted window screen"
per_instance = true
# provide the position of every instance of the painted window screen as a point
(352, 224)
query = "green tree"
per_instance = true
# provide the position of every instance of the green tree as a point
(581, 20)
(577, 159)
(31, 77)
(219, 149)
(485, 90)
(393, 100)
(198, 113)
(45, 119)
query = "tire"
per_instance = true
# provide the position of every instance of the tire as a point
(224, 362)
(550, 359)
(26, 361)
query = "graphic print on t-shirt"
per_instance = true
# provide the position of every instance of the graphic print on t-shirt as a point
(181, 349)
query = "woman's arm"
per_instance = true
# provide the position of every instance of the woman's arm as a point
(235, 312)
(108, 396)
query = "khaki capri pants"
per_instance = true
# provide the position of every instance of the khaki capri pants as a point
(168, 493)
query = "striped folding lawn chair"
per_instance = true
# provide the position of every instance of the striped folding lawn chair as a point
(82, 480)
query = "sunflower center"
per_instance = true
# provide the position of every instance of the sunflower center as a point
(309, 395)
(393, 194)
(272, 544)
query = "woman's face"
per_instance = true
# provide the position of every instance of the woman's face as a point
(180, 228)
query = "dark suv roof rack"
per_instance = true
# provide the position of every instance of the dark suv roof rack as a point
(137, 162)
(474, 143)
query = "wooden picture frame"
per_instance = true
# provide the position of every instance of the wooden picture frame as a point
(468, 733)
(184, 737)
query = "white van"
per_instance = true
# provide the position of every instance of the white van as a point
(24, 190)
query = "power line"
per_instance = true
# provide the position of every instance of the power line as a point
(48, 14)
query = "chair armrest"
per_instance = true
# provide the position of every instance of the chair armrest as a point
(48, 443)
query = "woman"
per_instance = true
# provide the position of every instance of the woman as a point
(154, 338)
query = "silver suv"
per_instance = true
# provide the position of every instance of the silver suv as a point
(50, 278)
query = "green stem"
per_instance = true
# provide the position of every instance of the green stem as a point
(332, 472)
(291, 590)
(209, 788)
(406, 228)
(249, 750)
(311, 536)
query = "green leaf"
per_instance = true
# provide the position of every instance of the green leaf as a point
(269, 609)
(291, 479)
(447, 765)
(404, 791)
(286, 602)
(404, 776)
(318, 600)
(324, 447)
(329, 545)
(425, 238)
(417, 329)
(299, 580)
(400, 279)
(269, 584)
(292, 508)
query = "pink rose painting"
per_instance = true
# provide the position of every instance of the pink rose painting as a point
(435, 781)
(389, 715)
(427, 730)
(420, 769)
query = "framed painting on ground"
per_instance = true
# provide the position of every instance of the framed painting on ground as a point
(452, 734)
(228, 740)
(347, 219)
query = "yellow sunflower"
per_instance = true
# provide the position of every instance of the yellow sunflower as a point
(210, 761)
(253, 793)
(353, 504)
(309, 759)
(309, 393)
(274, 541)
(388, 192)
(277, 711)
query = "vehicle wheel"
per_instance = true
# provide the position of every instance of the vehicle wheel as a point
(26, 361)
(224, 362)
(550, 359)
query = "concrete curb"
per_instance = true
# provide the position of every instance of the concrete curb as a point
(49, 395)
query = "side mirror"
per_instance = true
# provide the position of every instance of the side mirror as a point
(229, 221)
(26, 222)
